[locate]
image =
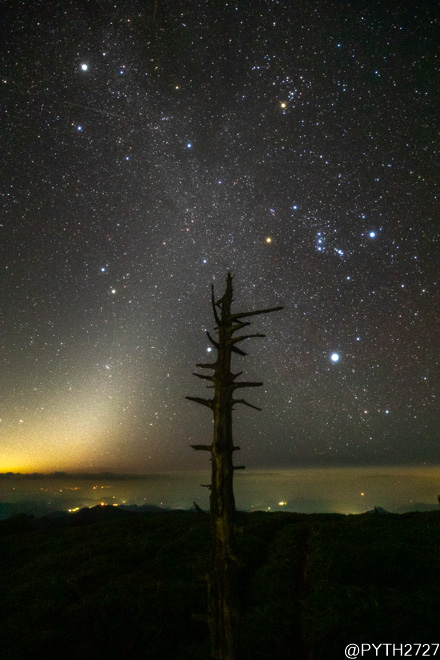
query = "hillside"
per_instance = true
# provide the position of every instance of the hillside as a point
(115, 584)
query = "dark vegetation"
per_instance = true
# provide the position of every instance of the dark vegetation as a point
(105, 583)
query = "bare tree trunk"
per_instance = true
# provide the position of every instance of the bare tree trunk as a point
(222, 596)
(223, 609)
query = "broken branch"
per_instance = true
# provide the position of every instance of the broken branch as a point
(235, 317)
(203, 377)
(245, 403)
(237, 339)
(203, 402)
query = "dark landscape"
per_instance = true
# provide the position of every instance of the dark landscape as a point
(111, 583)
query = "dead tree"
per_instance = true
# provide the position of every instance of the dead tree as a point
(222, 579)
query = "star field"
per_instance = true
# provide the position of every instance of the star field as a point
(151, 147)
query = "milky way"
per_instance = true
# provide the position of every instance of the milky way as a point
(152, 147)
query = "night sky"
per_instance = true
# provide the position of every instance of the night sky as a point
(150, 147)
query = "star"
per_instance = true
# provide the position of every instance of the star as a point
(268, 153)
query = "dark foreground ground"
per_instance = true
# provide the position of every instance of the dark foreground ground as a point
(118, 585)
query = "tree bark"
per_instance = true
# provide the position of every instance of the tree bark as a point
(222, 595)
(223, 605)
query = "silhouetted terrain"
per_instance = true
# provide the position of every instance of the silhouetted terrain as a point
(107, 583)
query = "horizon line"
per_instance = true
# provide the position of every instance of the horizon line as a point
(107, 474)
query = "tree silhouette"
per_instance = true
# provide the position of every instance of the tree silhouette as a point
(222, 579)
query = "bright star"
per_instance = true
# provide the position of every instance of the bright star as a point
(79, 128)
(188, 145)
(268, 239)
(84, 67)
(334, 357)
(372, 234)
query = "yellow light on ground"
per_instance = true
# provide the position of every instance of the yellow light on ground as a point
(282, 503)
